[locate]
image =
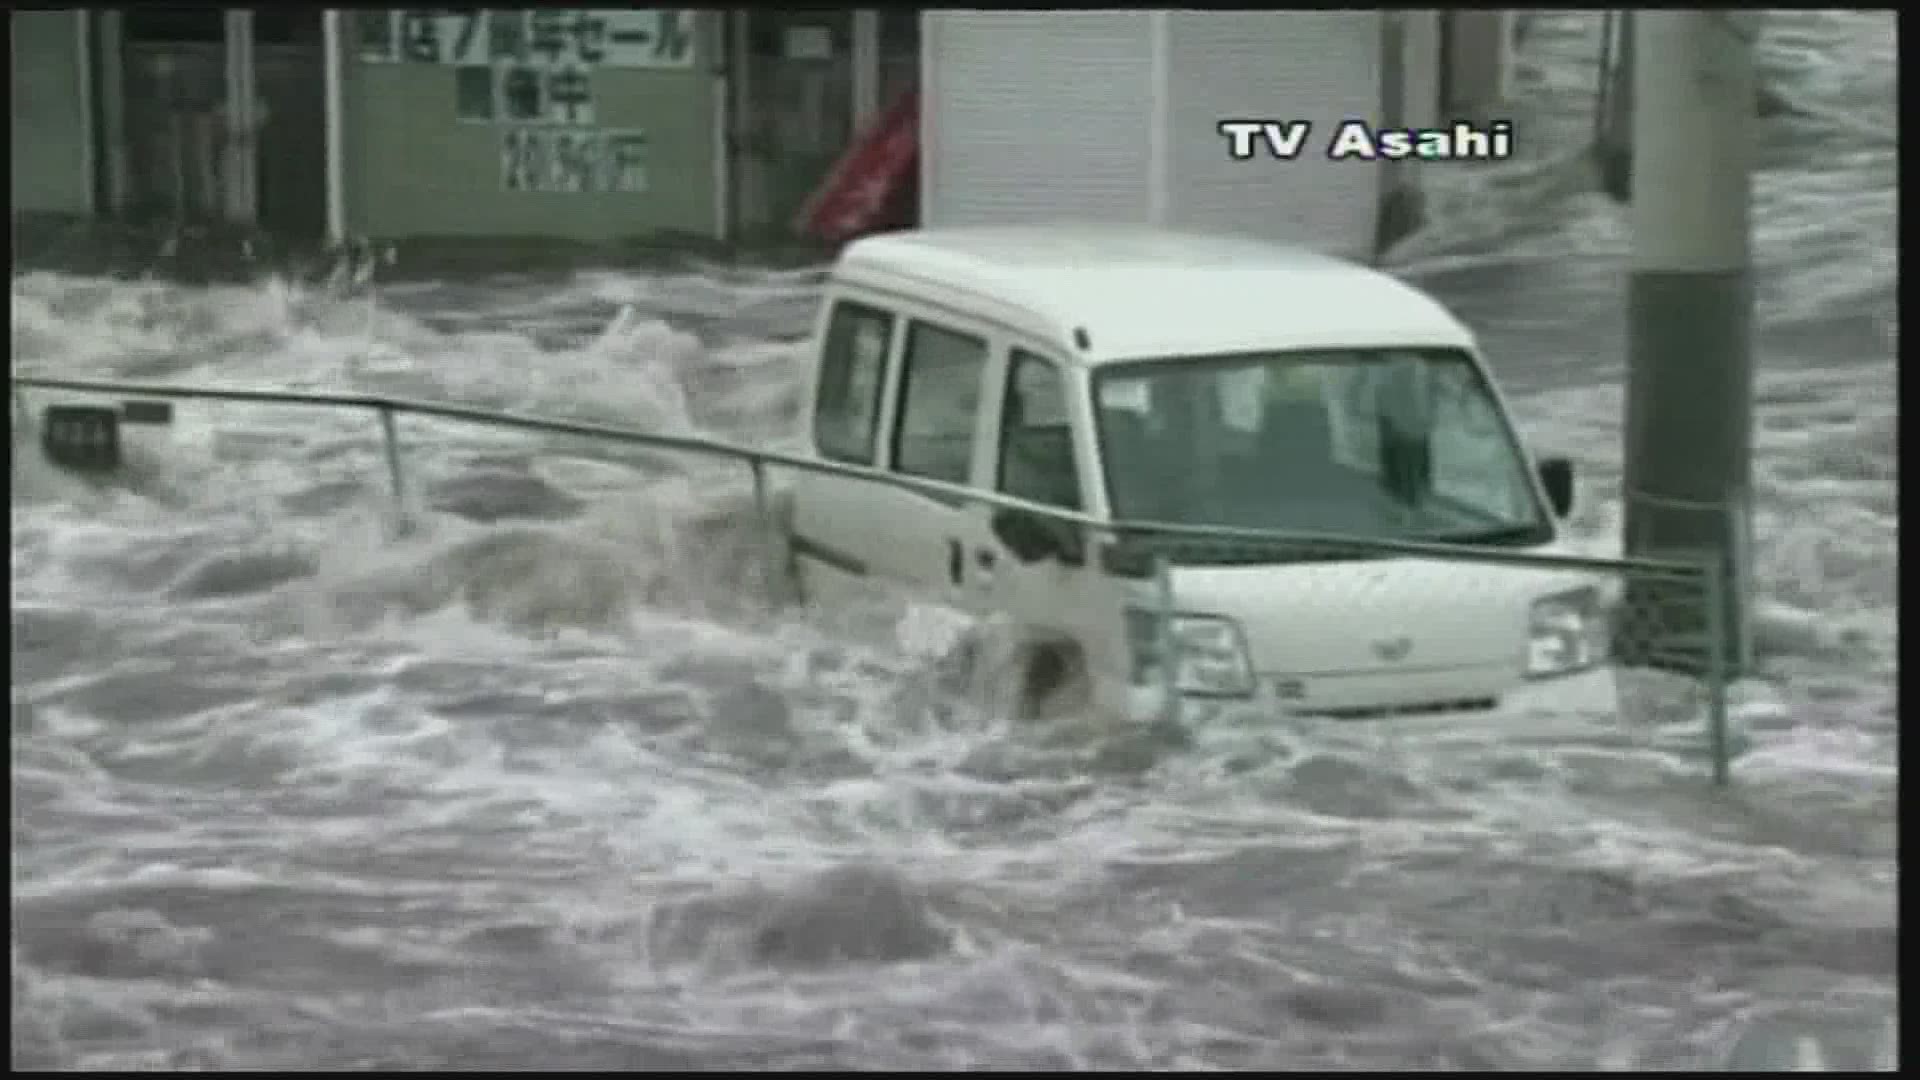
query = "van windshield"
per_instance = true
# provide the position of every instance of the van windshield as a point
(1406, 444)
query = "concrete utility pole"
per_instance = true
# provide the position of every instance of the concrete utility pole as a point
(1689, 409)
(1613, 116)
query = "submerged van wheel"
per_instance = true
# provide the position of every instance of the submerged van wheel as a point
(1053, 682)
(1007, 676)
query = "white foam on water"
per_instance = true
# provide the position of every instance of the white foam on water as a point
(545, 779)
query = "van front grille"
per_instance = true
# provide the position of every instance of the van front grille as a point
(1382, 712)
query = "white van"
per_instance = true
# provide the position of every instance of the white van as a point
(1137, 375)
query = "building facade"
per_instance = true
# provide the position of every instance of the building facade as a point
(390, 124)
(52, 87)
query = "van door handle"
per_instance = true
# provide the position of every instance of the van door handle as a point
(954, 561)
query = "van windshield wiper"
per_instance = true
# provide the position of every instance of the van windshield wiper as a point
(1138, 554)
(1505, 535)
(1134, 556)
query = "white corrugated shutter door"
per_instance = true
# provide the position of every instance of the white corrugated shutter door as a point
(1319, 66)
(1034, 116)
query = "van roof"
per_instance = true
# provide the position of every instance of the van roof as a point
(1140, 292)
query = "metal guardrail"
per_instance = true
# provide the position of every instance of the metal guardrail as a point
(1705, 575)
(758, 459)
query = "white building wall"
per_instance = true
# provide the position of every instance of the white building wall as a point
(1318, 66)
(1058, 116)
(1034, 116)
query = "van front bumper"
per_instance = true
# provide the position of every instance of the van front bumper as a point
(1463, 694)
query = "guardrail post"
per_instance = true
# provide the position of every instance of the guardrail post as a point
(391, 438)
(1168, 645)
(1717, 669)
(769, 531)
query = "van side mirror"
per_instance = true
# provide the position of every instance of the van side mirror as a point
(1126, 557)
(1032, 537)
(1556, 475)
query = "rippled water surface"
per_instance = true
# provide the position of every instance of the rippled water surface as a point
(546, 784)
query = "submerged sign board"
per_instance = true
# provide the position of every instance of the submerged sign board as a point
(533, 72)
(568, 160)
(541, 38)
(523, 95)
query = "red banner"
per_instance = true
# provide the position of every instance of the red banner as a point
(864, 185)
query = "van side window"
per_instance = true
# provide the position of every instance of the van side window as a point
(939, 400)
(1036, 437)
(853, 365)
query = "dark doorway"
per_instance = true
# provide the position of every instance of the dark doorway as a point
(176, 25)
(795, 110)
(792, 102)
(290, 66)
(176, 133)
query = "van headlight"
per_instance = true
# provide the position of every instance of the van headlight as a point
(1566, 633)
(1212, 654)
